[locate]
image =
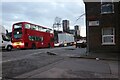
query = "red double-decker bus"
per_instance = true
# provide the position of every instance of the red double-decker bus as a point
(28, 35)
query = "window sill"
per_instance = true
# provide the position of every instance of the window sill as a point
(107, 13)
(108, 43)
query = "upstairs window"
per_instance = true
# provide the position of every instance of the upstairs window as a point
(107, 7)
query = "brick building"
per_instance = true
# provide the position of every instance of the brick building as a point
(102, 26)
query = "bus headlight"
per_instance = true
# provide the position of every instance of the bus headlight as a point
(18, 43)
(21, 44)
(14, 44)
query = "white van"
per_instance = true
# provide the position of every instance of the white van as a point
(5, 42)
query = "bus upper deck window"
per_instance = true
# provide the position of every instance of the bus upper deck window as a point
(17, 26)
(27, 26)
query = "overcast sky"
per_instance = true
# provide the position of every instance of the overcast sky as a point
(43, 13)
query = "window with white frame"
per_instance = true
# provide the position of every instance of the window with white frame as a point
(107, 6)
(108, 36)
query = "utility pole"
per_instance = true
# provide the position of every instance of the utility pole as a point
(77, 25)
(76, 36)
(79, 17)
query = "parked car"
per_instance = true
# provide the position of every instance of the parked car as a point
(81, 44)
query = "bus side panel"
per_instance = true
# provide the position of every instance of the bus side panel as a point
(34, 33)
(52, 40)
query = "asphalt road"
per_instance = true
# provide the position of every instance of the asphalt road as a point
(17, 62)
(54, 63)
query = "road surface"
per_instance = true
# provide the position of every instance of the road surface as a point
(55, 63)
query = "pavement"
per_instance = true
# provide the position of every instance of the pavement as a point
(73, 52)
(74, 68)
(77, 64)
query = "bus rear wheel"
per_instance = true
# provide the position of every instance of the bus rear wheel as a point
(33, 46)
(49, 46)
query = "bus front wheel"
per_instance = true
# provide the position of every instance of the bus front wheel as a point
(9, 47)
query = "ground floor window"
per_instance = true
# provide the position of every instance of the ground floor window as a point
(108, 36)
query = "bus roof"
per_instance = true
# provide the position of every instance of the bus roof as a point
(32, 24)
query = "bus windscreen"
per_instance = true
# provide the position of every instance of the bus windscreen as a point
(17, 31)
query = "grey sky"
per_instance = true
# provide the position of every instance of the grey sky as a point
(43, 13)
